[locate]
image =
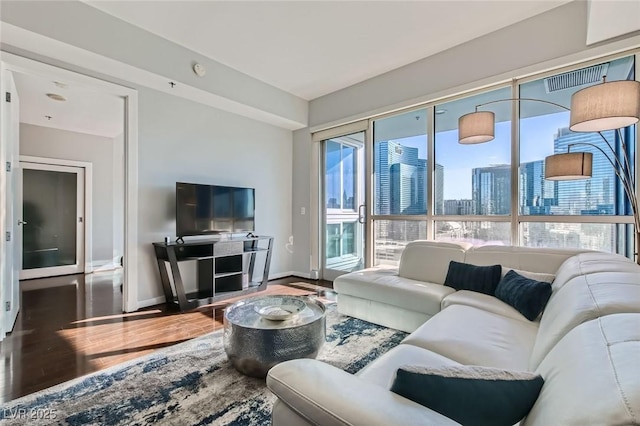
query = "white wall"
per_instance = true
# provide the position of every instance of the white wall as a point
(301, 224)
(98, 150)
(184, 141)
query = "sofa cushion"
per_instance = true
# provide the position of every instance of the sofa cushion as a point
(582, 299)
(428, 261)
(464, 276)
(381, 313)
(473, 336)
(470, 395)
(590, 263)
(383, 370)
(528, 296)
(328, 396)
(482, 301)
(591, 375)
(384, 285)
(534, 259)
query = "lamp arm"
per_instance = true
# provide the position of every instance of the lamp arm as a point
(522, 99)
(626, 171)
(624, 178)
(626, 158)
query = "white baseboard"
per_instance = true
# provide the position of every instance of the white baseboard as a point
(306, 275)
(280, 275)
(151, 302)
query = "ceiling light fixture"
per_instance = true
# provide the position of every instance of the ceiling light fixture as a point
(56, 97)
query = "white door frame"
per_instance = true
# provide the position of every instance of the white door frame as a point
(88, 200)
(23, 65)
(9, 258)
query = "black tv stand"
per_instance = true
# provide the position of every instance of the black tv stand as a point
(226, 268)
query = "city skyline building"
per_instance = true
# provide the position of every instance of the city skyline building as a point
(387, 154)
(491, 190)
(458, 207)
(401, 181)
(537, 194)
(587, 196)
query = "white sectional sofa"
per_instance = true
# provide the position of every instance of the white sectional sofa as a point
(586, 344)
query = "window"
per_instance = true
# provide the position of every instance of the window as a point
(400, 183)
(473, 179)
(400, 164)
(477, 233)
(340, 177)
(341, 240)
(391, 236)
(544, 130)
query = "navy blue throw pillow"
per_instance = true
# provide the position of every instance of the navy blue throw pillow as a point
(464, 276)
(471, 395)
(528, 296)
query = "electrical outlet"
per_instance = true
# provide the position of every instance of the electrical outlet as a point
(7, 306)
(303, 211)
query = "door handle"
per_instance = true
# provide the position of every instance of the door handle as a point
(22, 222)
(362, 214)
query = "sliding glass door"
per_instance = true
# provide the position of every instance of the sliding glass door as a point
(344, 207)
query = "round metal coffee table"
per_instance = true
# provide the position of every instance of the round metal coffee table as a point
(254, 343)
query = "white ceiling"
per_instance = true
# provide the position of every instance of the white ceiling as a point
(311, 48)
(84, 111)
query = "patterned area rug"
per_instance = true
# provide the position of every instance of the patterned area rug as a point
(189, 383)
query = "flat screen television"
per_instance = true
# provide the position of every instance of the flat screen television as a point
(213, 209)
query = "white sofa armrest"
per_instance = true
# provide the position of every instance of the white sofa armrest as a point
(325, 395)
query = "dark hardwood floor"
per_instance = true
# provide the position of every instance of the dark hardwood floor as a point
(73, 325)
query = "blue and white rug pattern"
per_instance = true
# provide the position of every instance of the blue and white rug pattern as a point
(189, 383)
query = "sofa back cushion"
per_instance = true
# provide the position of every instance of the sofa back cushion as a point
(589, 263)
(429, 260)
(533, 259)
(582, 299)
(591, 375)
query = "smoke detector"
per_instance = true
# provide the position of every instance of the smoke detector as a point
(199, 69)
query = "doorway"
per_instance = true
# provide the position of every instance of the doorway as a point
(344, 201)
(125, 157)
(52, 219)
